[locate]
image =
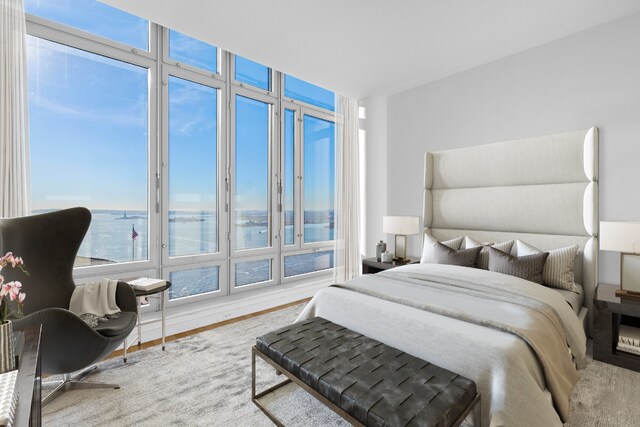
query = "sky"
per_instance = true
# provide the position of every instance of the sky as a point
(89, 122)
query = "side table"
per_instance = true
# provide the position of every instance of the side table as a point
(372, 266)
(610, 313)
(153, 293)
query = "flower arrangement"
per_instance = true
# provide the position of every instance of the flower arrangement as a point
(10, 291)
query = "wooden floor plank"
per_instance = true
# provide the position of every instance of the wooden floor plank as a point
(135, 347)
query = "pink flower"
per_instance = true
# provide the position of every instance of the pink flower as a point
(15, 289)
(7, 258)
(10, 289)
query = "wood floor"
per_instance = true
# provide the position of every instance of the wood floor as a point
(134, 347)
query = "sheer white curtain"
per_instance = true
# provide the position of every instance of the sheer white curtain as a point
(14, 137)
(347, 259)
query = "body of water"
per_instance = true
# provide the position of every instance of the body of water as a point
(109, 240)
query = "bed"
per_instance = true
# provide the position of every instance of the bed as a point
(542, 191)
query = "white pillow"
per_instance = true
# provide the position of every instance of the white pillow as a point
(429, 248)
(483, 257)
(558, 270)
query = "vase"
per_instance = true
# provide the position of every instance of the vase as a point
(7, 351)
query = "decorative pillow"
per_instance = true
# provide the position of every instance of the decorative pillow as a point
(428, 251)
(483, 257)
(462, 257)
(558, 270)
(527, 267)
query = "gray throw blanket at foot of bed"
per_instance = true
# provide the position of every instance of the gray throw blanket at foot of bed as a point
(95, 302)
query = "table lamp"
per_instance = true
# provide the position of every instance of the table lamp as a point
(624, 237)
(401, 226)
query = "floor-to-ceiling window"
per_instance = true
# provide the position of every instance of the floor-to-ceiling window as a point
(203, 167)
(308, 187)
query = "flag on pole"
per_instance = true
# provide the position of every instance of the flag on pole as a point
(134, 233)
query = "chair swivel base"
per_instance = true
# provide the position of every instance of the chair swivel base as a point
(69, 383)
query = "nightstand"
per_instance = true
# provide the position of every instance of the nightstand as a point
(372, 266)
(610, 313)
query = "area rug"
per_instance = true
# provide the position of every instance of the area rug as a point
(205, 380)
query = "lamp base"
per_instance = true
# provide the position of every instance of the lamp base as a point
(400, 247)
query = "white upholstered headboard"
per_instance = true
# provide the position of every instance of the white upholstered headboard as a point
(541, 190)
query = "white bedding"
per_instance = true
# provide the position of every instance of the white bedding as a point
(505, 369)
(574, 299)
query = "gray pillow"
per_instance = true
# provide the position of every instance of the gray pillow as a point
(483, 258)
(558, 270)
(462, 257)
(528, 267)
(428, 251)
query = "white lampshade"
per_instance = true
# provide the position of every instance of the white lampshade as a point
(405, 225)
(620, 236)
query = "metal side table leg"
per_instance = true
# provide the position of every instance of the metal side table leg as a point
(162, 307)
(139, 322)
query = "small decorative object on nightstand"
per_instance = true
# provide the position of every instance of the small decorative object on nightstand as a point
(386, 256)
(401, 226)
(380, 248)
(372, 266)
(624, 237)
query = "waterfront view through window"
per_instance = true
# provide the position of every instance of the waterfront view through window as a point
(209, 197)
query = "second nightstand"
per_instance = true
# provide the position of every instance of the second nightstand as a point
(611, 315)
(372, 266)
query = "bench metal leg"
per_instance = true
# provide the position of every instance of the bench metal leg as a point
(255, 397)
(474, 410)
(477, 415)
(290, 379)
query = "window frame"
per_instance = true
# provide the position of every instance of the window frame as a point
(273, 177)
(167, 60)
(85, 36)
(297, 178)
(299, 247)
(303, 104)
(113, 50)
(223, 282)
(184, 260)
(306, 277)
(275, 273)
(274, 77)
(322, 116)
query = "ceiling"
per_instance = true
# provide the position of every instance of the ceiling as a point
(361, 48)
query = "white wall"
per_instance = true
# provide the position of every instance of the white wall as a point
(591, 78)
(373, 129)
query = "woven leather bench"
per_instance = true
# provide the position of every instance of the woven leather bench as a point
(363, 380)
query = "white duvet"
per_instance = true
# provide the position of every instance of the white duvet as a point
(505, 369)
